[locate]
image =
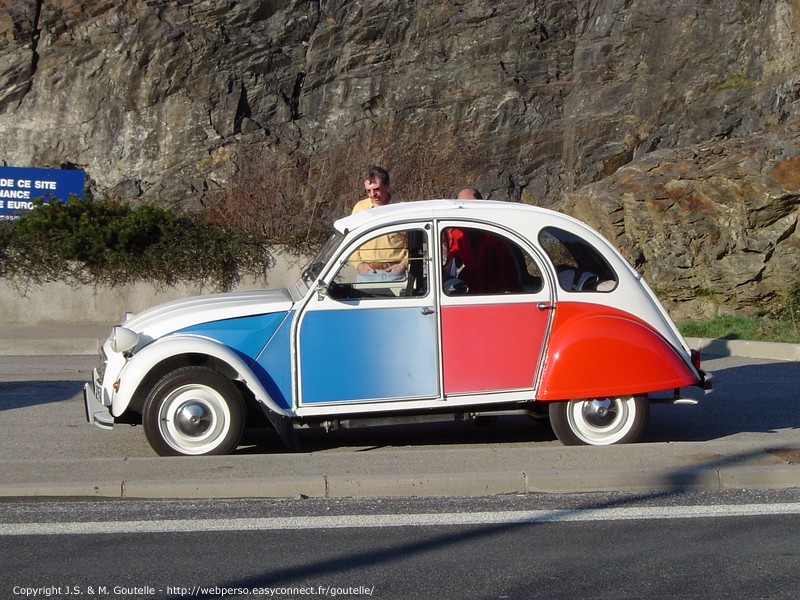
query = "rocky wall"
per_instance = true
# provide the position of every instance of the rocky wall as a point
(552, 100)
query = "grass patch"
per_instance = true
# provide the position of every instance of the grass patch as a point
(734, 82)
(763, 329)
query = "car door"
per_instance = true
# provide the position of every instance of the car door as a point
(496, 309)
(371, 341)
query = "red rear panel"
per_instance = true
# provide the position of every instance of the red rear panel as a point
(595, 351)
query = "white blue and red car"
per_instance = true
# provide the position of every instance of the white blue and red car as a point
(554, 324)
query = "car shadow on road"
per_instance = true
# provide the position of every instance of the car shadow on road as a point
(754, 398)
(22, 394)
(491, 431)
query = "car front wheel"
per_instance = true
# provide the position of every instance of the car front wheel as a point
(600, 421)
(194, 411)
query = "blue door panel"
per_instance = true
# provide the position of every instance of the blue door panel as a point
(366, 354)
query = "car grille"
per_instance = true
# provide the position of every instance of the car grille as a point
(101, 369)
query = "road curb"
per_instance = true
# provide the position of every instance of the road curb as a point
(438, 484)
(745, 348)
(283, 487)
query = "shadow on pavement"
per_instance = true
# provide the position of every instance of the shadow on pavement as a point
(22, 394)
(493, 431)
(756, 398)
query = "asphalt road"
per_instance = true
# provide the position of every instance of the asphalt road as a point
(709, 545)
(744, 435)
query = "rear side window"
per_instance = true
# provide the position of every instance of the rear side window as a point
(580, 267)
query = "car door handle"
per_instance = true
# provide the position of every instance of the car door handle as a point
(545, 306)
(427, 310)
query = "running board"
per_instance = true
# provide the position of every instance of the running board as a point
(356, 422)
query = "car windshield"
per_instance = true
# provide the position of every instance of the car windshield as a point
(317, 264)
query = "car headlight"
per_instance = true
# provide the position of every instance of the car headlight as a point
(123, 339)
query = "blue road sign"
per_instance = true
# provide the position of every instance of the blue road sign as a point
(20, 186)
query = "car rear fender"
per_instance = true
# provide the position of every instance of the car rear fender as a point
(597, 352)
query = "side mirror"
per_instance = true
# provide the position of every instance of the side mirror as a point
(322, 291)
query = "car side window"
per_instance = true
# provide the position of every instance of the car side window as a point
(392, 264)
(580, 267)
(480, 262)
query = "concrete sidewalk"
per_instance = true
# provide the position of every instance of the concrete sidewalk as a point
(473, 471)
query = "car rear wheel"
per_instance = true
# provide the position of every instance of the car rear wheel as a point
(600, 421)
(194, 411)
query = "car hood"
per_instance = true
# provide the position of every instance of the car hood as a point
(163, 319)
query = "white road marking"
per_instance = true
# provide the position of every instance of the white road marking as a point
(400, 520)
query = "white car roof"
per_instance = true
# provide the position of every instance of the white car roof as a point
(500, 212)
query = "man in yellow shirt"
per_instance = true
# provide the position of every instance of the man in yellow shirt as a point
(384, 258)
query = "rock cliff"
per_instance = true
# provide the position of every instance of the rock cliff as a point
(668, 125)
(712, 226)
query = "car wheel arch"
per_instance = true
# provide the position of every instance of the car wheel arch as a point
(153, 362)
(174, 363)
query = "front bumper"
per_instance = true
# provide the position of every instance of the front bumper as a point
(96, 412)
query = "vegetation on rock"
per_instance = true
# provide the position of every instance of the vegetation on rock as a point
(91, 241)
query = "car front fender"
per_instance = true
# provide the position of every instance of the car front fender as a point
(601, 355)
(167, 348)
